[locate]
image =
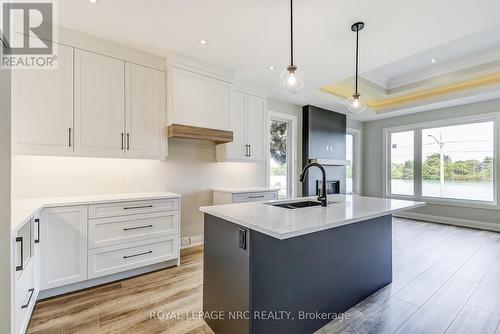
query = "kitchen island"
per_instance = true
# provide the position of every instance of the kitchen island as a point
(283, 269)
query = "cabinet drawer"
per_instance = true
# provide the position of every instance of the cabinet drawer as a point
(25, 297)
(113, 259)
(254, 197)
(132, 207)
(119, 230)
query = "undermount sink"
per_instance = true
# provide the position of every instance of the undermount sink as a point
(296, 205)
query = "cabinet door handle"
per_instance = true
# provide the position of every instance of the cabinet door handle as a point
(20, 267)
(31, 291)
(128, 141)
(138, 207)
(37, 240)
(249, 150)
(129, 256)
(69, 137)
(123, 141)
(137, 228)
(246, 151)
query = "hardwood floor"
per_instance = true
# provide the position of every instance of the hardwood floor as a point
(126, 306)
(446, 280)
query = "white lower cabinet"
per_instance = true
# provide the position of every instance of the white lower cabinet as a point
(243, 196)
(63, 240)
(25, 297)
(70, 245)
(132, 208)
(119, 230)
(113, 259)
(255, 197)
(88, 241)
(26, 285)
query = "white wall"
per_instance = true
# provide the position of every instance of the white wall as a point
(190, 170)
(373, 168)
(5, 235)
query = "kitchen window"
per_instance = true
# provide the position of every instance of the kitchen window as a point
(402, 163)
(353, 155)
(453, 161)
(282, 148)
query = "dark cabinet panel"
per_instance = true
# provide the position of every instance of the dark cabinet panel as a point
(323, 137)
(226, 276)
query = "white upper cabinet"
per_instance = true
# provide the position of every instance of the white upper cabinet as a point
(256, 127)
(199, 100)
(99, 105)
(145, 112)
(42, 108)
(248, 123)
(237, 149)
(92, 104)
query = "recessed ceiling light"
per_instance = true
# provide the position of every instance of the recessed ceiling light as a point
(433, 60)
(203, 41)
(94, 2)
(271, 68)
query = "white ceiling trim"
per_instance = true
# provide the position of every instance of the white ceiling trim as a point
(443, 69)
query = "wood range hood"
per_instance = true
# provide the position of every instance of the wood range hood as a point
(194, 132)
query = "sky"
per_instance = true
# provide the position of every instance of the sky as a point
(461, 142)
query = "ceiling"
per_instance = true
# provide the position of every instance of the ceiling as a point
(249, 36)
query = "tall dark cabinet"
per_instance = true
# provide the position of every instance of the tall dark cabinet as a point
(323, 137)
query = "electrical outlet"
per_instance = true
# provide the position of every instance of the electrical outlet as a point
(130, 180)
(185, 242)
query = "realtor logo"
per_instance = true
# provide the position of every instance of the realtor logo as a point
(28, 32)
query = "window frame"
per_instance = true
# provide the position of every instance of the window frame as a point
(356, 163)
(417, 152)
(291, 149)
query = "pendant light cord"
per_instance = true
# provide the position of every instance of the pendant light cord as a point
(357, 47)
(291, 32)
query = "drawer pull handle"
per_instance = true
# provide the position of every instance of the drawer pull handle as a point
(37, 240)
(137, 228)
(129, 256)
(31, 291)
(260, 196)
(21, 267)
(138, 207)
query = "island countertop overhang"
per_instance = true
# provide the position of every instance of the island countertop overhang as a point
(284, 223)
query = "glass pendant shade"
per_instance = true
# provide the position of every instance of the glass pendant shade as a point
(355, 104)
(292, 80)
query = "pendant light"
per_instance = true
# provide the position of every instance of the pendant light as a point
(291, 79)
(355, 103)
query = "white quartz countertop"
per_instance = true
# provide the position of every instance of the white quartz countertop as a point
(244, 190)
(23, 209)
(284, 223)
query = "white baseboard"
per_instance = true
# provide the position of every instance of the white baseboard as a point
(450, 221)
(192, 241)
